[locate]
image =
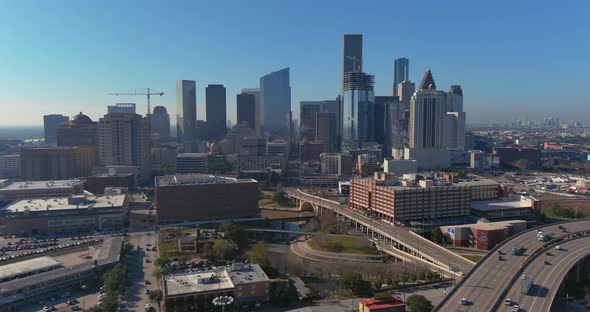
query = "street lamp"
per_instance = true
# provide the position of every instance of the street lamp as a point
(223, 301)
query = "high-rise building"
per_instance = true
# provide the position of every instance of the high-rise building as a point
(80, 131)
(427, 114)
(9, 166)
(358, 109)
(389, 122)
(455, 99)
(56, 163)
(124, 139)
(308, 119)
(401, 73)
(405, 90)
(186, 110)
(275, 102)
(161, 123)
(326, 131)
(122, 108)
(50, 125)
(216, 111)
(455, 118)
(241, 139)
(352, 55)
(258, 117)
(336, 163)
(246, 109)
(191, 163)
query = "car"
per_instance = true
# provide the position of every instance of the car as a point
(515, 308)
(148, 261)
(147, 282)
(75, 308)
(83, 286)
(558, 247)
(523, 276)
(500, 258)
(546, 262)
(508, 301)
(147, 291)
(464, 301)
(47, 308)
(147, 307)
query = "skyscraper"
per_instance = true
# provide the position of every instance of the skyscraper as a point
(215, 103)
(455, 99)
(326, 131)
(275, 102)
(124, 139)
(427, 114)
(405, 90)
(401, 73)
(387, 116)
(308, 119)
(50, 125)
(358, 109)
(57, 162)
(258, 117)
(454, 128)
(80, 131)
(246, 109)
(161, 123)
(186, 110)
(352, 54)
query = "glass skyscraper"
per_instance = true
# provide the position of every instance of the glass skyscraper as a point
(401, 72)
(358, 109)
(215, 104)
(275, 101)
(186, 110)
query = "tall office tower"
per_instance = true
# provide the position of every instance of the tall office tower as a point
(123, 108)
(401, 73)
(405, 90)
(352, 55)
(186, 110)
(308, 119)
(335, 107)
(427, 114)
(454, 130)
(216, 112)
(389, 114)
(161, 123)
(124, 139)
(275, 102)
(455, 99)
(246, 109)
(80, 131)
(258, 117)
(56, 163)
(201, 131)
(50, 125)
(358, 110)
(326, 131)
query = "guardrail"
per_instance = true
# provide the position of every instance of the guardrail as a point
(537, 253)
(491, 253)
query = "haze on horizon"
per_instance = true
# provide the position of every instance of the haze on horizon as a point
(513, 59)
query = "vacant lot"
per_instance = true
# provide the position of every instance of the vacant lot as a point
(342, 244)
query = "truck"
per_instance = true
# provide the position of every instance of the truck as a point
(525, 286)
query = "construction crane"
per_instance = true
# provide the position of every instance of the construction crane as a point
(148, 93)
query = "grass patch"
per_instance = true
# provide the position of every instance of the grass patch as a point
(342, 244)
(473, 258)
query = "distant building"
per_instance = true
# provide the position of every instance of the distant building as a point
(358, 109)
(483, 235)
(57, 162)
(197, 197)
(9, 166)
(336, 164)
(455, 99)
(76, 213)
(326, 131)
(246, 109)
(429, 158)
(242, 139)
(480, 160)
(97, 183)
(80, 131)
(390, 122)
(427, 111)
(352, 55)
(278, 148)
(308, 111)
(390, 304)
(121, 108)
(191, 163)
(215, 100)
(124, 139)
(519, 157)
(50, 125)
(400, 167)
(401, 73)
(275, 102)
(160, 123)
(186, 110)
(277, 164)
(40, 189)
(310, 151)
(454, 130)
(258, 113)
(405, 91)
(164, 156)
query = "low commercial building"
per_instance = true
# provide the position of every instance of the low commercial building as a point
(97, 183)
(406, 202)
(10, 190)
(519, 157)
(479, 160)
(339, 164)
(399, 167)
(76, 213)
(319, 180)
(246, 283)
(28, 267)
(389, 304)
(57, 162)
(504, 209)
(483, 235)
(277, 164)
(195, 197)
(191, 163)
(429, 158)
(482, 189)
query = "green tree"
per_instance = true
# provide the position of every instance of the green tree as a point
(156, 296)
(437, 235)
(382, 295)
(282, 292)
(233, 231)
(353, 281)
(419, 303)
(161, 261)
(260, 254)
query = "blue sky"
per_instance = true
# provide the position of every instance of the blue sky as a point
(513, 58)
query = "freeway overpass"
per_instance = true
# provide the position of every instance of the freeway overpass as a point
(398, 238)
(488, 283)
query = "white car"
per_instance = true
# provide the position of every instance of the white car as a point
(558, 247)
(508, 301)
(523, 276)
(464, 301)
(147, 307)
(515, 308)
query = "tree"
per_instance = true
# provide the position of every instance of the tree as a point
(282, 292)
(353, 281)
(234, 231)
(156, 296)
(437, 235)
(419, 303)
(260, 254)
(163, 260)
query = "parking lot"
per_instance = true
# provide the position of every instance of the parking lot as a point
(20, 248)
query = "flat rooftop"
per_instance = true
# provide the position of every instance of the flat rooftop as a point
(491, 205)
(187, 283)
(61, 203)
(38, 185)
(479, 182)
(196, 179)
(192, 155)
(249, 273)
(28, 266)
(491, 225)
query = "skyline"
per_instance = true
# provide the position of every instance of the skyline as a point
(507, 71)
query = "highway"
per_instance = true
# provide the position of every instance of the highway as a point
(546, 278)
(429, 250)
(484, 286)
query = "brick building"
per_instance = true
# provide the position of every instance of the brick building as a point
(57, 162)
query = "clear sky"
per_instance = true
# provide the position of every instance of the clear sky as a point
(513, 58)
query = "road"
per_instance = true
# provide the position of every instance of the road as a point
(546, 278)
(484, 285)
(436, 253)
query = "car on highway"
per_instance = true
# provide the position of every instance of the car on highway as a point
(523, 276)
(558, 247)
(147, 307)
(465, 301)
(508, 301)
(515, 308)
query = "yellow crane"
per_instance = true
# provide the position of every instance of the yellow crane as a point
(148, 93)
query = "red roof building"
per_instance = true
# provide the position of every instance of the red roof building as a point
(391, 304)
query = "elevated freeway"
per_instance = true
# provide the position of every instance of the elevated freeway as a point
(485, 285)
(399, 238)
